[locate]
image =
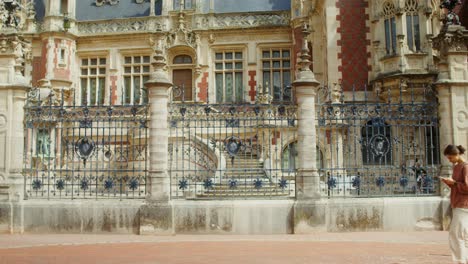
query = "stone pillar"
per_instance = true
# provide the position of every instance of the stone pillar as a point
(158, 89)
(307, 180)
(452, 88)
(156, 215)
(13, 87)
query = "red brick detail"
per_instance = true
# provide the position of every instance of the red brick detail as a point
(113, 88)
(38, 70)
(354, 44)
(203, 88)
(463, 13)
(61, 72)
(252, 85)
(275, 137)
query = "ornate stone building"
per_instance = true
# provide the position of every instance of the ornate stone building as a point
(217, 116)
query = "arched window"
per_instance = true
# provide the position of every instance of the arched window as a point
(388, 11)
(289, 161)
(182, 59)
(412, 25)
(376, 145)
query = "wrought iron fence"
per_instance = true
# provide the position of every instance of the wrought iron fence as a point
(232, 150)
(378, 143)
(84, 151)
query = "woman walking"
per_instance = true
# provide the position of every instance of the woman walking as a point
(458, 233)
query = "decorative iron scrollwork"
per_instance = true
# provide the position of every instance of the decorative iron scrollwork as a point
(84, 147)
(233, 145)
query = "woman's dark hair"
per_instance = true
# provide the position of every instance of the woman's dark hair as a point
(454, 150)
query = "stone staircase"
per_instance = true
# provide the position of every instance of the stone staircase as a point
(245, 169)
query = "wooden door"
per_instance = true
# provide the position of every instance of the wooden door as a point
(183, 79)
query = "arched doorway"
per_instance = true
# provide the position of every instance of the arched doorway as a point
(182, 77)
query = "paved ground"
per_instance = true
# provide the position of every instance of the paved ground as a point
(369, 247)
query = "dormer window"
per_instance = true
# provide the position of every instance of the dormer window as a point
(390, 27)
(412, 25)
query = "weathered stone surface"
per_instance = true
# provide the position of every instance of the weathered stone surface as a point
(155, 219)
(79, 217)
(233, 217)
(5, 217)
(310, 216)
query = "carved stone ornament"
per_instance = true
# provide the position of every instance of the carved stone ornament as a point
(13, 14)
(181, 35)
(451, 18)
(450, 39)
(103, 2)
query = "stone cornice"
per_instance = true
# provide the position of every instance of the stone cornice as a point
(196, 22)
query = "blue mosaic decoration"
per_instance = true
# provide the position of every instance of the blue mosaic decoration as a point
(380, 181)
(60, 184)
(331, 183)
(404, 182)
(208, 184)
(283, 183)
(37, 184)
(356, 182)
(108, 184)
(133, 184)
(183, 184)
(258, 183)
(84, 185)
(232, 183)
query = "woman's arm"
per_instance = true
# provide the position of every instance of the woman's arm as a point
(462, 186)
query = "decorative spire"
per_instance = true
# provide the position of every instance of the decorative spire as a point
(304, 61)
(305, 75)
(159, 75)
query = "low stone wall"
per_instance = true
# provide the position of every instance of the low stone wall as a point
(225, 217)
(365, 214)
(70, 217)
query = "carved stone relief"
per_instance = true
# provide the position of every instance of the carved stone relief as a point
(13, 14)
(103, 2)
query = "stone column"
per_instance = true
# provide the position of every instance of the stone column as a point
(13, 87)
(307, 180)
(156, 215)
(158, 89)
(452, 88)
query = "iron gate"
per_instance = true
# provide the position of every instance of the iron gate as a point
(379, 143)
(232, 150)
(78, 151)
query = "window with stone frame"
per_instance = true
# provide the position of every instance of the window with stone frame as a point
(183, 4)
(276, 72)
(229, 75)
(135, 73)
(412, 25)
(93, 80)
(388, 11)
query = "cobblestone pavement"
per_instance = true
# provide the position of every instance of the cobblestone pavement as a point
(368, 247)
